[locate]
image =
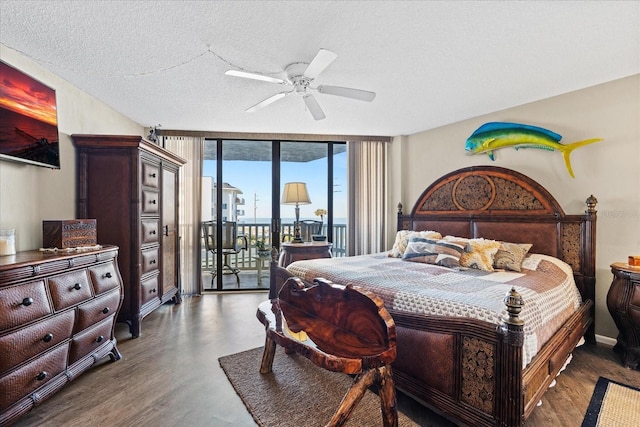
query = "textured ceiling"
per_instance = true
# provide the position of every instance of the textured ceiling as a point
(431, 63)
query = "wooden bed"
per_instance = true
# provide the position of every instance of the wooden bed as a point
(500, 204)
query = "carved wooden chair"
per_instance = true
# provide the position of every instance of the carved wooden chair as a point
(338, 328)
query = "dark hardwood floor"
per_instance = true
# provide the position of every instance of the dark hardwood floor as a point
(170, 376)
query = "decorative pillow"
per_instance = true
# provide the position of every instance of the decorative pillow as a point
(402, 238)
(478, 253)
(430, 251)
(511, 255)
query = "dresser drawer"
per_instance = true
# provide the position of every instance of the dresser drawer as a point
(22, 345)
(149, 260)
(23, 303)
(148, 289)
(23, 381)
(150, 202)
(150, 175)
(634, 299)
(104, 278)
(93, 311)
(149, 231)
(69, 289)
(88, 340)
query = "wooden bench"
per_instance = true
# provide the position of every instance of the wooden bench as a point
(338, 328)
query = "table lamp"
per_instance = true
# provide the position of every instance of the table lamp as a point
(295, 193)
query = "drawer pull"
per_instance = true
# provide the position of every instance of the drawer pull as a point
(48, 337)
(152, 232)
(153, 291)
(27, 302)
(105, 310)
(153, 261)
(107, 275)
(152, 202)
(152, 175)
(100, 338)
(77, 286)
(42, 375)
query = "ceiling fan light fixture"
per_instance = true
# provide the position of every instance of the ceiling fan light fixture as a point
(300, 76)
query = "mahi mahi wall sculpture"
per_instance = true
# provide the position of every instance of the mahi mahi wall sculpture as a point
(495, 135)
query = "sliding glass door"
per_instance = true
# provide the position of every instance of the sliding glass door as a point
(242, 217)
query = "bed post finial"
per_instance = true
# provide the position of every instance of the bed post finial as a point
(514, 303)
(591, 204)
(399, 208)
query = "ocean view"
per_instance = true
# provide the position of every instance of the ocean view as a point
(267, 221)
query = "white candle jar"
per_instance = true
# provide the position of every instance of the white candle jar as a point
(7, 242)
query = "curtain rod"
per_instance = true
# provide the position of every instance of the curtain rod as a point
(272, 136)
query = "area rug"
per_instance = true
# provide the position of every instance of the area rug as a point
(613, 404)
(296, 393)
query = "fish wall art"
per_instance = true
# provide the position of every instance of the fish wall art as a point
(495, 135)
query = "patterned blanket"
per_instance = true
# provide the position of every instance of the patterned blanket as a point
(545, 283)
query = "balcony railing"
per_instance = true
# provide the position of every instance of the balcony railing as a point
(247, 260)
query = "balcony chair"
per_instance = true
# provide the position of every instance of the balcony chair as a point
(232, 244)
(308, 228)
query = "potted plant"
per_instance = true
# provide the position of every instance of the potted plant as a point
(320, 237)
(261, 247)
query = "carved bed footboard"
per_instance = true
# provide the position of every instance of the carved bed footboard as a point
(471, 371)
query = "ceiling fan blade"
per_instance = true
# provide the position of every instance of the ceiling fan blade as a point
(321, 61)
(361, 95)
(314, 107)
(269, 100)
(254, 76)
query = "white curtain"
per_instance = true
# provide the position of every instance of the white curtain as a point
(190, 149)
(367, 197)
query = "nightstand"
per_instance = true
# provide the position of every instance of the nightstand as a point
(291, 252)
(623, 302)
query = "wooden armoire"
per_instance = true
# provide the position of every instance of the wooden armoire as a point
(130, 186)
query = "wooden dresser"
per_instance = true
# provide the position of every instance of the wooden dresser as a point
(57, 317)
(130, 186)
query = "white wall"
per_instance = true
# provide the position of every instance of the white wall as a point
(31, 194)
(610, 169)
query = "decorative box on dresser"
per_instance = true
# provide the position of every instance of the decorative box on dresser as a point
(623, 302)
(130, 186)
(57, 317)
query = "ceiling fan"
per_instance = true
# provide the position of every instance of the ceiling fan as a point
(300, 77)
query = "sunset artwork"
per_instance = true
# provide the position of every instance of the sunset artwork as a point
(28, 118)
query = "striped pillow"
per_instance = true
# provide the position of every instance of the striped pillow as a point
(430, 251)
(402, 239)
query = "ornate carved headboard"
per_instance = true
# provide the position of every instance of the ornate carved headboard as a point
(502, 204)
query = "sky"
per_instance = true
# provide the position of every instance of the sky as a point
(26, 96)
(254, 179)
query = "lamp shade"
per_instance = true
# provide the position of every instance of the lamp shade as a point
(295, 193)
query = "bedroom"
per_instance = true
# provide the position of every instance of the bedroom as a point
(608, 108)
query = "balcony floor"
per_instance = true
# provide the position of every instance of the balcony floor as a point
(248, 281)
